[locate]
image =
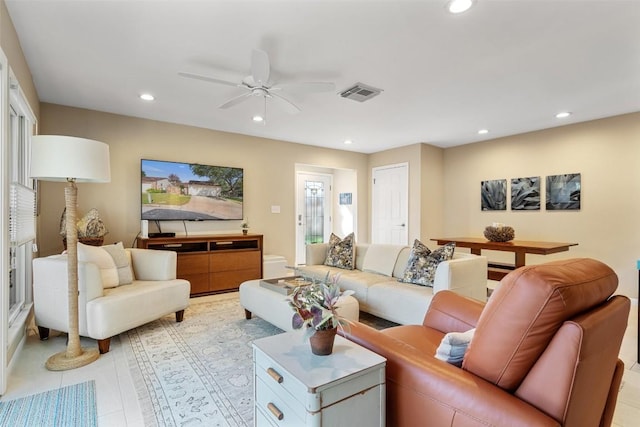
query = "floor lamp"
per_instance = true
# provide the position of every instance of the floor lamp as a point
(70, 159)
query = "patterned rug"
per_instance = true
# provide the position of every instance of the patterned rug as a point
(70, 406)
(200, 372)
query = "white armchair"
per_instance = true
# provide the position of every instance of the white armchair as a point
(104, 312)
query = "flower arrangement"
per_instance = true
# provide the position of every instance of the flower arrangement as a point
(315, 304)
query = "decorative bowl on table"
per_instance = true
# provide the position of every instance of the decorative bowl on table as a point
(499, 233)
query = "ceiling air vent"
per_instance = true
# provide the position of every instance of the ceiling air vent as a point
(360, 92)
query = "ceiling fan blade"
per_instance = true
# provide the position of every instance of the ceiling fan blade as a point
(286, 105)
(308, 87)
(260, 67)
(236, 100)
(208, 79)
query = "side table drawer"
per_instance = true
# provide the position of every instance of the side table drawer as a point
(276, 376)
(275, 408)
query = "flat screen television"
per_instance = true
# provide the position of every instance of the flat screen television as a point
(175, 191)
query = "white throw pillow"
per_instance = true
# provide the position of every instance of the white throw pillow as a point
(121, 259)
(104, 261)
(453, 346)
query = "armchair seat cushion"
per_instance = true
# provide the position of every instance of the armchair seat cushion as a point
(127, 307)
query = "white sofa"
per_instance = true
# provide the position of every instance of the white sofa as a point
(376, 286)
(106, 312)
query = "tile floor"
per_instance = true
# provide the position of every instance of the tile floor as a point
(118, 405)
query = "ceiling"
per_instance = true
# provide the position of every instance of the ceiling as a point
(505, 65)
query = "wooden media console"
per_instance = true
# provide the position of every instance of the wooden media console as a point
(213, 263)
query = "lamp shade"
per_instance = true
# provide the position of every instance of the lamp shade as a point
(60, 158)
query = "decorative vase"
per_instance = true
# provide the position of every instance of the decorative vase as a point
(245, 231)
(322, 341)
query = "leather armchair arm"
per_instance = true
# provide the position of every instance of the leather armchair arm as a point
(428, 391)
(149, 264)
(451, 312)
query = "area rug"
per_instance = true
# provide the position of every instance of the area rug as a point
(199, 372)
(70, 406)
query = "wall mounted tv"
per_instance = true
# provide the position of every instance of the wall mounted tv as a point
(174, 191)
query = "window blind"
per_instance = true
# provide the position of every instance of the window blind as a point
(22, 214)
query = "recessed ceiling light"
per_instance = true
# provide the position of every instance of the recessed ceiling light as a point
(483, 131)
(563, 114)
(459, 6)
(258, 119)
(348, 142)
(147, 97)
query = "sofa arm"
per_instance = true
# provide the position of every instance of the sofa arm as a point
(422, 390)
(465, 274)
(150, 264)
(316, 253)
(50, 295)
(451, 312)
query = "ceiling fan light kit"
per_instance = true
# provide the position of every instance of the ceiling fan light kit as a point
(258, 84)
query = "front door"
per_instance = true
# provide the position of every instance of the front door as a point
(313, 211)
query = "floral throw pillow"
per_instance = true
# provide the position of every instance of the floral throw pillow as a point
(341, 253)
(422, 264)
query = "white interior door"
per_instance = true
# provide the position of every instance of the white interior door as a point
(313, 211)
(390, 204)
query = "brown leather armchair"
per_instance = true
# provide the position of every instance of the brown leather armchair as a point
(544, 353)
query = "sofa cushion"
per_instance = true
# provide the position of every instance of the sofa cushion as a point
(341, 252)
(422, 264)
(104, 261)
(122, 261)
(403, 303)
(381, 259)
(527, 309)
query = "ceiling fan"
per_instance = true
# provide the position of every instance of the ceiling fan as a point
(257, 84)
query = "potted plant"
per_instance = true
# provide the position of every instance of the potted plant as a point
(315, 307)
(245, 226)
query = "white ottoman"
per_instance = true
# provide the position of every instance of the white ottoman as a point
(274, 307)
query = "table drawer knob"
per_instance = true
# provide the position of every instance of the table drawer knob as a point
(275, 375)
(275, 411)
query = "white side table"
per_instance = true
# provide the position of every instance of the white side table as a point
(294, 387)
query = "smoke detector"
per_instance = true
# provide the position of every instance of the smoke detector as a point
(360, 92)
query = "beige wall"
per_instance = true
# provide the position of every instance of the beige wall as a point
(605, 152)
(12, 49)
(432, 186)
(269, 179)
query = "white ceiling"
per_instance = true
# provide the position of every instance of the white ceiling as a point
(505, 65)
